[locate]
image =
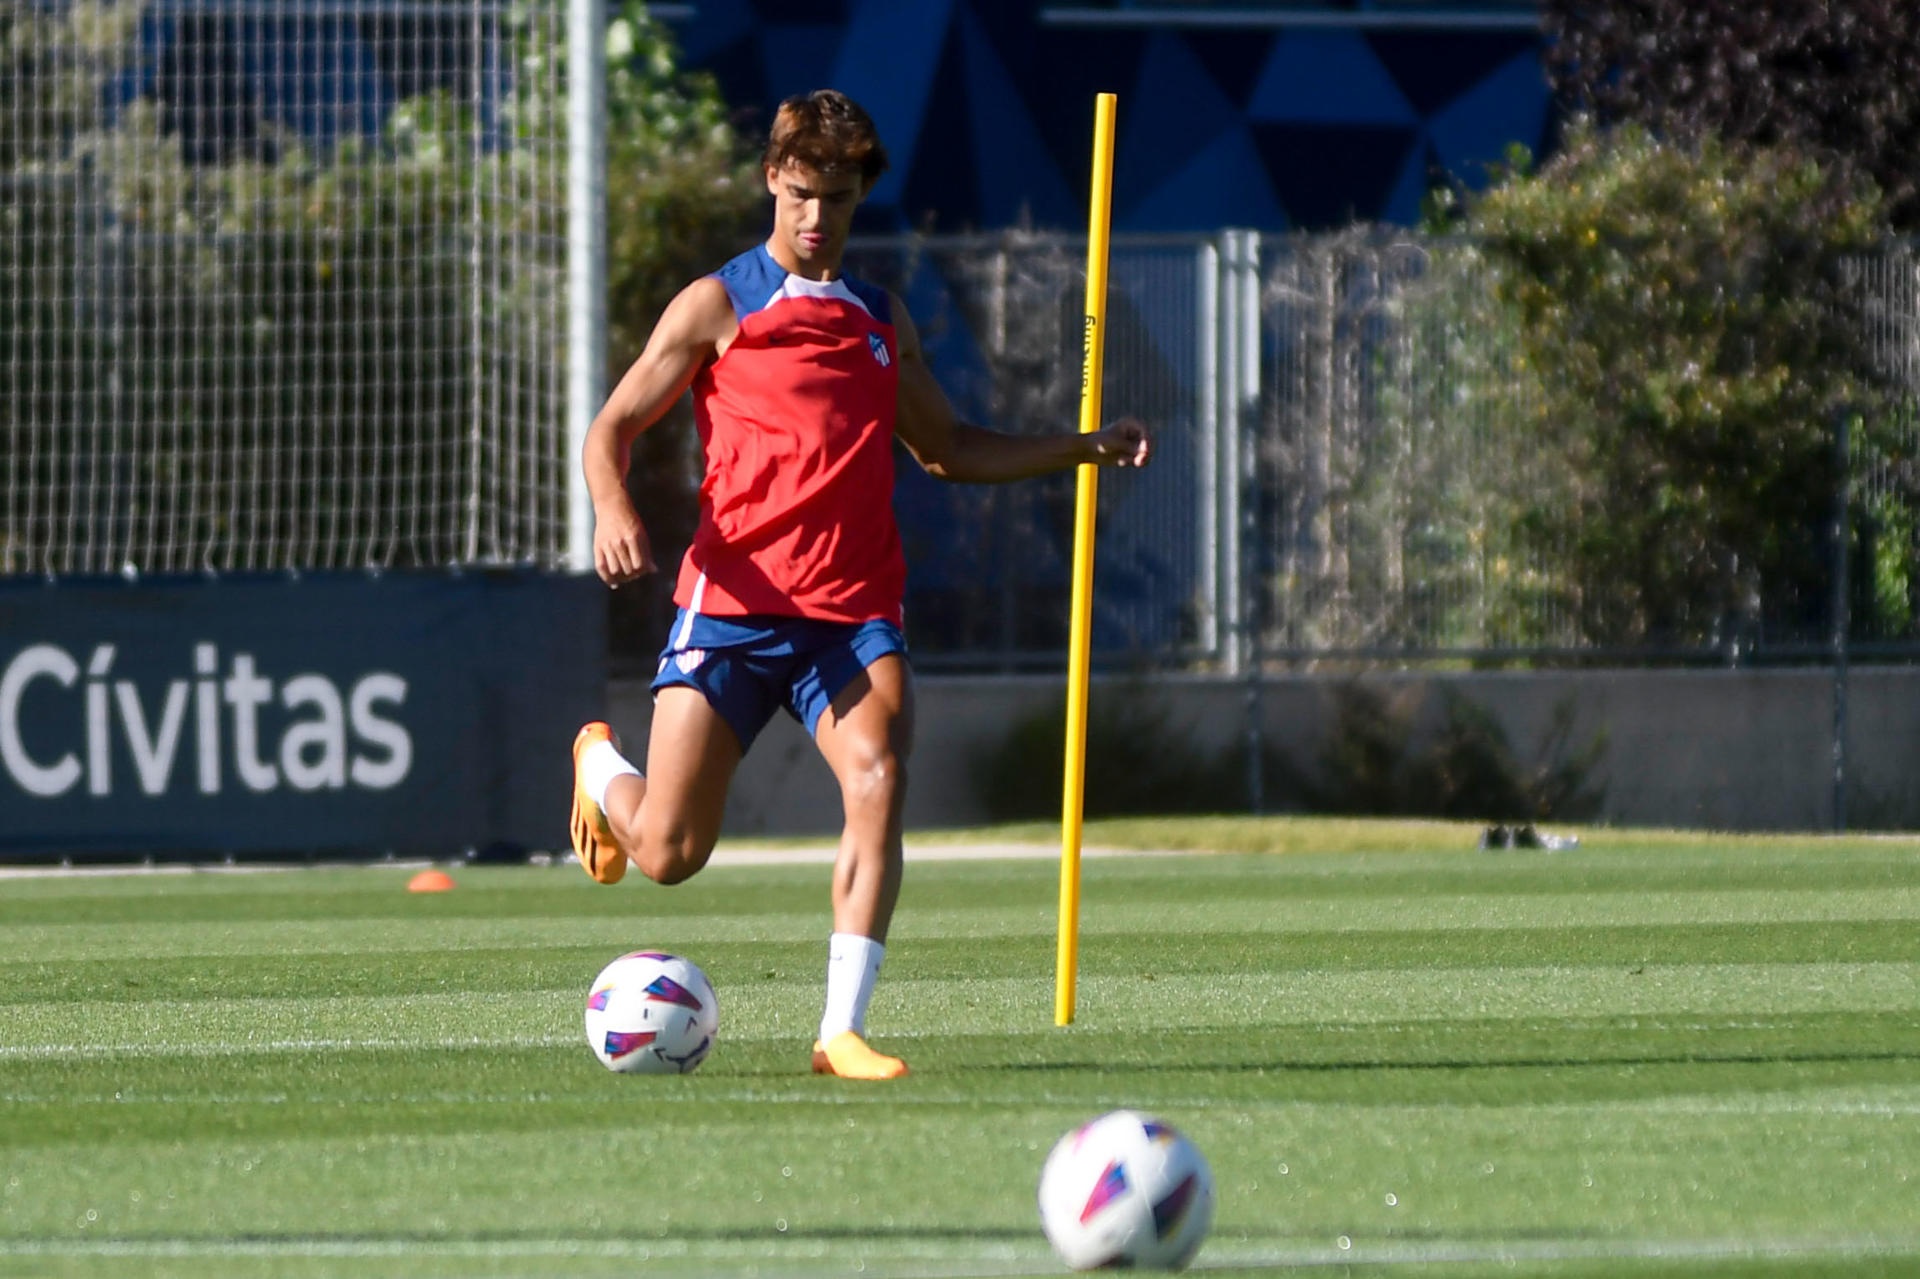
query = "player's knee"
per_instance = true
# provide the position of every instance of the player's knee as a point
(672, 854)
(878, 777)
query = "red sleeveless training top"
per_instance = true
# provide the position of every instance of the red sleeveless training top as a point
(796, 422)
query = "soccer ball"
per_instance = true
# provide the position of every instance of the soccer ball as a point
(1125, 1190)
(651, 1013)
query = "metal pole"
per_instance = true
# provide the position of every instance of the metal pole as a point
(1213, 571)
(586, 257)
(1841, 619)
(1246, 434)
(1228, 380)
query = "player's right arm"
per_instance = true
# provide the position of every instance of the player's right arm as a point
(695, 328)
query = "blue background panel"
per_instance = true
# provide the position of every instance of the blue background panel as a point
(339, 715)
(988, 111)
(985, 107)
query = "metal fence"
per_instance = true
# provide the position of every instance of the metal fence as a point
(989, 566)
(1348, 431)
(282, 286)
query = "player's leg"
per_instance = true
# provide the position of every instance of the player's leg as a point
(714, 690)
(666, 823)
(669, 822)
(599, 772)
(865, 735)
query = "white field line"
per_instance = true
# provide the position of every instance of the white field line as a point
(807, 855)
(993, 1257)
(33, 1052)
(804, 1091)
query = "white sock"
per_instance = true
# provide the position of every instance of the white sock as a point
(853, 965)
(600, 763)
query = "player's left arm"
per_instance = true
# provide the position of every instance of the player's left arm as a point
(950, 449)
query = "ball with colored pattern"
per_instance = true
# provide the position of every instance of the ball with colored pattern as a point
(651, 1013)
(1126, 1190)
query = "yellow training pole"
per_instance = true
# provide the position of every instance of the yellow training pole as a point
(1086, 496)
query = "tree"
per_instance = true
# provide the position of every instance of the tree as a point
(1832, 79)
(237, 358)
(1690, 334)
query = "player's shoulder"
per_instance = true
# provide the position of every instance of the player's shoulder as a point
(755, 279)
(878, 302)
(702, 310)
(750, 279)
(704, 291)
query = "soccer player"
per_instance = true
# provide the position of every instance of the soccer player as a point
(790, 594)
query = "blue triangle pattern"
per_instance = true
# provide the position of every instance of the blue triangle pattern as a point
(885, 43)
(1508, 106)
(1225, 184)
(715, 26)
(788, 50)
(1153, 144)
(1017, 181)
(1327, 77)
(1410, 191)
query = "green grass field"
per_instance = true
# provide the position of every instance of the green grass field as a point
(1656, 1055)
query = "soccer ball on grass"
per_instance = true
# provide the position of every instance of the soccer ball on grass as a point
(651, 1013)
(1126, 1190)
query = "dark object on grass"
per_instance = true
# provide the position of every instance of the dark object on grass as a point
(1495, 838)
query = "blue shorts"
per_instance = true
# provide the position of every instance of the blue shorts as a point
(749, 667)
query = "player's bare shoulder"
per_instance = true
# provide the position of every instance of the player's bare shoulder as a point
(701, 317)
(691, 333)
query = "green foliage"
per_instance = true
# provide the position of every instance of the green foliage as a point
(1376, 761)
(52, 65)
(1139, 760)
(1687, 336)
(1835, 80)
(1886, 535)
(302, 340)
(1392, 427)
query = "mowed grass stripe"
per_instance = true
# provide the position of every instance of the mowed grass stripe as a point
(732, 1172)
(652, 920)
(1473, 1063)
(910, 1006)
(108, 977)
(377, 893)
(988, 1259)
(1891, 1100)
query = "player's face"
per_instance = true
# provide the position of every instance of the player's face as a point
(812, 213)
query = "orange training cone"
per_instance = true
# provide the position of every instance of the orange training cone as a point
(430, 881)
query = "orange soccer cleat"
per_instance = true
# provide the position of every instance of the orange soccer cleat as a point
(848, 1056)
(593, 838)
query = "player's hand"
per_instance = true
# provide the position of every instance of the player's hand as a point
(621, 548)
(1126, 443)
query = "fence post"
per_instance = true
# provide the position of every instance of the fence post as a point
(1841, 613)
(1215, 636)
(586, 258)
(1246, 479)
(1227, 375)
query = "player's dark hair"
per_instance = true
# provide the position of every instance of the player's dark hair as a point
(827, 132)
